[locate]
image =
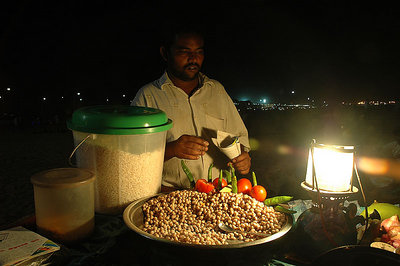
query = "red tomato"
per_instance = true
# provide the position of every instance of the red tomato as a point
(244, 186)
(259, 193)
(223, 183)
(203, 186)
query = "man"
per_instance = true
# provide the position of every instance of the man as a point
(198, 107)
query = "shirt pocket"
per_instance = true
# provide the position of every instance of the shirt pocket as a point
(215, 122)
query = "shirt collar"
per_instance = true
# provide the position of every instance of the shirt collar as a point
(166, 81)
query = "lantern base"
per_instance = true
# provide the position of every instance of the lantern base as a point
(324, 233)
(333, 195)
(327, 224)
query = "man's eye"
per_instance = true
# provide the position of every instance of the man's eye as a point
(189, 53)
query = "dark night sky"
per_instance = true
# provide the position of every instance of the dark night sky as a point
(341, 50)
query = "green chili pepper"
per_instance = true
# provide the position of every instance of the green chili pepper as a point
(232, 170)
(228, 176)
(234, 180)
(279, 208)
(188, 174)
(277, 200)
(234, 185)
(220, 180)
(284, 205)
(210, 172)
(254, 179)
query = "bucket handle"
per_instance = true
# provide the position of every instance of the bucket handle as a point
(75, 149)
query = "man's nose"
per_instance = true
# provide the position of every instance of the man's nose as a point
(193, 56)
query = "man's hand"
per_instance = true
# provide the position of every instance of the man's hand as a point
(186, 147)
(242, 163)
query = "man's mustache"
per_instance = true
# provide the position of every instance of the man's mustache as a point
(192, 64)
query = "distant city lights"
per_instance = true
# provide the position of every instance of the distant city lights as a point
(257, 102)
(262, 105)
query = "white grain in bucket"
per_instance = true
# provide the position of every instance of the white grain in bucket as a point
(122, 176)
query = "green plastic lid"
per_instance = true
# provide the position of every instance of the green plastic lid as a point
(119, 120)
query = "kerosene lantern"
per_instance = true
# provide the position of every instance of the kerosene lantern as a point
(329, 181)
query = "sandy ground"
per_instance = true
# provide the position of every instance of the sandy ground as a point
(279, 140)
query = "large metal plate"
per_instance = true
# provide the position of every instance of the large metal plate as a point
(134, 219)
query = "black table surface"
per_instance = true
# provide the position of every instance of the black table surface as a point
(113, 243)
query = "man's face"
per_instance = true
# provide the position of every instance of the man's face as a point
(186, 56)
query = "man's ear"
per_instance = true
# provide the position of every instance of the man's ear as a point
(163, 53)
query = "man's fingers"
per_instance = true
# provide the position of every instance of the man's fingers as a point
(242, 163)
(240, 160)
(191, 147)
(195, 140)
(243, 166)
(196, 147)
(191, 154)
(190, 151)
(244, 172)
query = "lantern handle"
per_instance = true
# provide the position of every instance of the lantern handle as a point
(364, 199)
(75, 149)
(313, 175)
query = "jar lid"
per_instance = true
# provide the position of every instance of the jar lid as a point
(62, 177)
(119, 120)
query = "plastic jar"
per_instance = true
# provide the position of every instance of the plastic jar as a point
(124, 146)
(64, 203)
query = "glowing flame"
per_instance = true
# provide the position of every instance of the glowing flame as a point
(333, 169)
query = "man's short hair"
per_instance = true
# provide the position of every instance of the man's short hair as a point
(171, 31)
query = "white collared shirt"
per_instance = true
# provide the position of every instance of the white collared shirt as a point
(207, 110)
